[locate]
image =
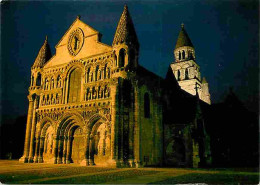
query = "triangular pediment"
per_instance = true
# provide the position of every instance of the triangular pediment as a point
(79, 41)
(87, 30)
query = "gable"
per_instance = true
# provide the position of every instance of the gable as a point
(88, 31)
(80, 41)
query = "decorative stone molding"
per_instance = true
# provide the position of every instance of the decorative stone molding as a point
(76, 41)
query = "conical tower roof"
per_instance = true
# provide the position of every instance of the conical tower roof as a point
(43, 56)
(125, 31)
(183, 39)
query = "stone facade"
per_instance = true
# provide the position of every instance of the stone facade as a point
(93, 104)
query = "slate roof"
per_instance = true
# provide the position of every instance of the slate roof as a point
(183, 39)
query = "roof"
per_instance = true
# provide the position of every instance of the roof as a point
(183, 39)
(43, 56)
(125, 31)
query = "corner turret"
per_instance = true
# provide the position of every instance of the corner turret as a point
(42, 58)
(125, 43)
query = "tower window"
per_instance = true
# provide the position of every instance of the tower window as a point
(179, 55)
(146, 105)
(122, 58)
(183, 54)
(186, 74)
(178, 75)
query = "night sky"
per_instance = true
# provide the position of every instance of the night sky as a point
(224, 34)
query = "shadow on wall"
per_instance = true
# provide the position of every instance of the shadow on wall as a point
(12, 138)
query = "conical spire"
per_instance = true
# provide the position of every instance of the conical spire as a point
(43, 56)
(125, 31)
(183, 39)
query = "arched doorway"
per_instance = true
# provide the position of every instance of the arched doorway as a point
(77, 145)
(99, 146)
(46, 148)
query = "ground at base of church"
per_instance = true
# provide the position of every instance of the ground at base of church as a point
(13, 172)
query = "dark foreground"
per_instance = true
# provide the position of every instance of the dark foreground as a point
(13, 172)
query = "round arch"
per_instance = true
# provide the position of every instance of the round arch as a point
(72, 133)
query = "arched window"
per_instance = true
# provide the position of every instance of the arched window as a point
(88, 75)
(46, 84)
(178, 75)
(105, 71)
(183, 54)
(122, 58)
(115, 60)
(52, 83)
(74, 86)
(179, 55)
(191, 55)
(96, 73)
(99, 74)
(108, 72)
(58, 84)
(146, 105)
(38, 79)
(186, 74)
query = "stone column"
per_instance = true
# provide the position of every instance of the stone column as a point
(137, 129)
(55, 144)
(34, 120)
(120, 136)
(68, 155)
(131, 131)
(25, 156)
(40, 158)
(87, 150)
(65, 149)
(91, 150)
(114, 126)
(36, 150)
(60, 148)
(66, 89)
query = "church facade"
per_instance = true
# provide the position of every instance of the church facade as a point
(93, 104)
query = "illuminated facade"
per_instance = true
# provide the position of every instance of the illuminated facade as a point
(93, 104)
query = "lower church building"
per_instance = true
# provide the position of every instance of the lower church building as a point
(93, 104)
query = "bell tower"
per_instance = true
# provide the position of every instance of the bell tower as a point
(186, 70)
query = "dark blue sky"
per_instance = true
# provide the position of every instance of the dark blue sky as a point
(224, 33)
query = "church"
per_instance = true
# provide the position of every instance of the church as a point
(93, 104)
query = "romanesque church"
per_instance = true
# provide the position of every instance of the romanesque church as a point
(93, 104)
